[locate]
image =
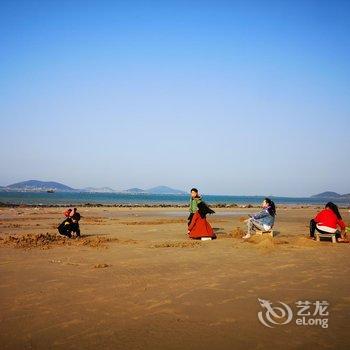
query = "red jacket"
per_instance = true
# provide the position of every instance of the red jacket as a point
(326, 217)
(200, 227)
(67, 213)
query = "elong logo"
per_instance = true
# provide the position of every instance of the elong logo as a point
(282, 314)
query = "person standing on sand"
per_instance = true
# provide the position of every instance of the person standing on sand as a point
(327, 221)
(75, 216)
(194, 200)
(264, 220)
(199, 226)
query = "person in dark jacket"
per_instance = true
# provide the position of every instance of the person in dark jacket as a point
(70, 224)
(65, 227)
(75, 222)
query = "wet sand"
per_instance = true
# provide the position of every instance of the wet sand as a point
(135, 281)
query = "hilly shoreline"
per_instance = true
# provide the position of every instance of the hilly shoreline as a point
(37, 186)
(53, 186)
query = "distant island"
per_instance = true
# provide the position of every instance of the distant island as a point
(164, 190)
(331, 195)
(154, 190)
(134, 190)
(52, 186)
(97, 190)
(38, 186)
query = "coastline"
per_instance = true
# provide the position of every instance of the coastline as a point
(155, 206)
(156, 201)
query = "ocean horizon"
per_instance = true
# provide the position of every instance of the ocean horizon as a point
(80, 198)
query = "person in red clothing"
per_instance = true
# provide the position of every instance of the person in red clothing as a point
(329, 220)
(67, 213)
(199, 226)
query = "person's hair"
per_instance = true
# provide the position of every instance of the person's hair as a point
(272, 207)
(75, 209)
(334, 209)
(196, 191)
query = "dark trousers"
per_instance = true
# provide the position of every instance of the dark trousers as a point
(313, 228)
(190, 219)
(76, 228)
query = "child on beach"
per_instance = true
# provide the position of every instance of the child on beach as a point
(327, 221)
(264, 220)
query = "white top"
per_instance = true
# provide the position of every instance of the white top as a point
(326, 229)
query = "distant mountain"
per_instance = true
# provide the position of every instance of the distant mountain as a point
(37, 186)
(164, 190)
(41, 186)
(327, 194)
(134, 190)
(98, 190)
(154, 190)
(331, 195)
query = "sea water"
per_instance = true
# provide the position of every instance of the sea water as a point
(63, 198)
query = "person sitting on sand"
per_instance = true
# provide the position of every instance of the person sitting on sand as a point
(199, 226)
(327, 221)
(264, 220)
(194, 200)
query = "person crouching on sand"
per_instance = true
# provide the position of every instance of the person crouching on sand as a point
(195, 198)
(199, 226)
(264, 220)
(327, 221)
(65, 227)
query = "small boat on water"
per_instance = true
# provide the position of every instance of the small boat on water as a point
(50, 191)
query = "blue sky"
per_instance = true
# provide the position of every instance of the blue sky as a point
(234, 97)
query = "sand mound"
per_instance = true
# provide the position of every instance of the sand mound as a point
(33, 240)
(48, 240)
(94, 242)
(237, 233)
(101, 266)
(95, 221)
(266, 242)
(178, 244)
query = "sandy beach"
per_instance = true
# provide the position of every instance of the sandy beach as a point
(135, 281)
